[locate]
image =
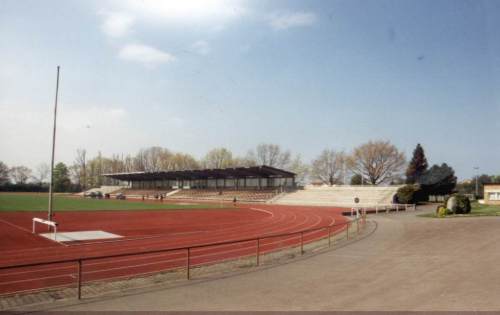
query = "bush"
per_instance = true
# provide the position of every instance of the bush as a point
(441, 211)
(407, 194)
(462, 205)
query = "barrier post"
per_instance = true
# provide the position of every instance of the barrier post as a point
(79, 280)
(329, 236)
(258, 252)
(188, 271)
(301, 243)
(357, 227)
(347, 230)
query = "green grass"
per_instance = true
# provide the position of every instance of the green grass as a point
(39, 202)
(476, 211)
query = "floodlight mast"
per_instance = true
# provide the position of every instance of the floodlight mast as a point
(51, 186)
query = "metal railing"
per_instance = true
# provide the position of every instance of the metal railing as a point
(330, 230)
(395, 206)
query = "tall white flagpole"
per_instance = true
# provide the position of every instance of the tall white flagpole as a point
(51, 187)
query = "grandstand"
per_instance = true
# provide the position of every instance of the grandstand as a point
(254, 184)
(250, 184)
(342, 196)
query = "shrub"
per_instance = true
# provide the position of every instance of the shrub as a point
(463, 204)
(407, 194)
(441, 211)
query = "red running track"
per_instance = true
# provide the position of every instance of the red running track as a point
(150, 231)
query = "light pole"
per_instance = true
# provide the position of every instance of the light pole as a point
(476, 168)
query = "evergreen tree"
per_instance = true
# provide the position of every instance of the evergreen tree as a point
(356, 179)
(438, 180)
(418, 165)
(62, 182)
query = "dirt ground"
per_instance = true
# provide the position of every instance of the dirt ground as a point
(408, 263)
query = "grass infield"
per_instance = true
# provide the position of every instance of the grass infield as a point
(39, 202)
(476, 211)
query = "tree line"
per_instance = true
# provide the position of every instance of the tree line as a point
(373, 163)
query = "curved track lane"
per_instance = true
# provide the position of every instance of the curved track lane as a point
(156, 230)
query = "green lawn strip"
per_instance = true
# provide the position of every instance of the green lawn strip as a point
(478, 210)
(39, 202)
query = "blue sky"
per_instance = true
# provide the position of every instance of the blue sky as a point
(307, 75)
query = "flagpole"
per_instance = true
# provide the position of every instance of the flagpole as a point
(51, 187)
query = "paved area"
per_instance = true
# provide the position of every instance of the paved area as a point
(409, 263)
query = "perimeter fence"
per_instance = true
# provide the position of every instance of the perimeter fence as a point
(97, 274)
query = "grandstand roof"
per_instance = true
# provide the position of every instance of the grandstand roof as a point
(237, 172)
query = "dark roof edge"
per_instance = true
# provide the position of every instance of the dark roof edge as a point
(262, 168)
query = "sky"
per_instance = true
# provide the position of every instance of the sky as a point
(307, 75)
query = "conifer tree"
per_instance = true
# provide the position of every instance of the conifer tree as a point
(418, 165)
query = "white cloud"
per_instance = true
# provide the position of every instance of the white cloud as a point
(187, 11)
(117, 24)
(201, 47)
(289, 20)
(144, 54)
(212, 14)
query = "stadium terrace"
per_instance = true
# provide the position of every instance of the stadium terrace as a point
(256, 177)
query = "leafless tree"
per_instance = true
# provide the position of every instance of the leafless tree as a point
(79, 168)
(116, 164)
(300, 168)
(270, 155)
(153, 159)
(20, 174)
(244, 161)
(128, 163)
(4, 173)
(377, 161)
(139, 161)
(182, 161)
(42, 173)
(218, 158)
(329, 166)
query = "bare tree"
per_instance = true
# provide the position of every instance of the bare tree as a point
(20, 174)
(218, 158)
(42, 173)
(4, 173)
(153, 159)
(139, 161)
(128, 163)
(378, 161)
(300, 169)
(116, 164)
(79, 168)
(270, 155)
(328, 167)
(182, 161)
